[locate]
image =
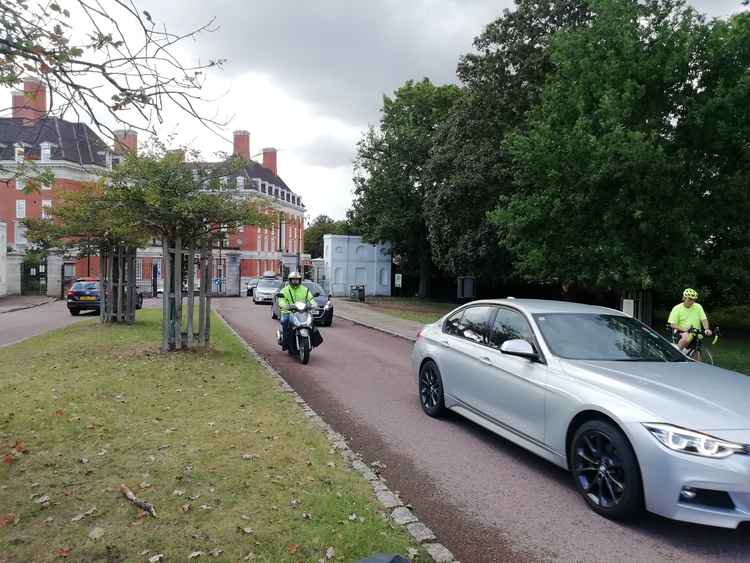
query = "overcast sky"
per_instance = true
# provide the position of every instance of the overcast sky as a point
(308, 76)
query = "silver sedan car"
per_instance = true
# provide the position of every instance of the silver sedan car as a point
(592, 390)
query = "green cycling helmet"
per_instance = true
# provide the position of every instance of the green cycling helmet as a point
(690, 293)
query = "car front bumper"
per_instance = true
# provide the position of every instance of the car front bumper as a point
(667, 473)
(323, 316)
(263, 298)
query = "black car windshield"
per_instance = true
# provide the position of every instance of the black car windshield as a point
(269, 284)
(313, 287)
(602, 337)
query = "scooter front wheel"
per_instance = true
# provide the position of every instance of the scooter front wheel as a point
(304, 350)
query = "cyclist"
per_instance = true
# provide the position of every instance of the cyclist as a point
(292, 292)
(687, 315)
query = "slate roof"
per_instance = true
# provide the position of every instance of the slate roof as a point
(73, 142)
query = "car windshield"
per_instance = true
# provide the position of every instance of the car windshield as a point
(313, 287)
(269, 284)
(602, 337)
(85, 286)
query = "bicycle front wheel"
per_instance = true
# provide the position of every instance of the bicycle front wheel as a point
(706, 357)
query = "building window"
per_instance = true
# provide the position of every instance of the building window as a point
(20, 184)
(20, 234)
(20, 209)
(46, 205)
(20, 153)
(46, 151)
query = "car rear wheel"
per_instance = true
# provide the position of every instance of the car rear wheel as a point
(431, 390)
(605, 470)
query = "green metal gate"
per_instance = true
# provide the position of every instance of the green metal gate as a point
(34, 278)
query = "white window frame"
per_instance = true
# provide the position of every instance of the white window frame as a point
(46, 204)
(20, 209)
(20, 184)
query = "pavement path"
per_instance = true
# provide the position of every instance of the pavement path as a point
(486, 499)
(25, 323)
(362, 314)
(11, 303)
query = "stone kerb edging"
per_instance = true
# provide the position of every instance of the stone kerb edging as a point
(399, 513)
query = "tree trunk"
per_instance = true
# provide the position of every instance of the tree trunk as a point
(166, 318)
(191, 295)
(425, 274)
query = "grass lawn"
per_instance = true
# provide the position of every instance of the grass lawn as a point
(733, 352)
(411, 308)
(231, 464)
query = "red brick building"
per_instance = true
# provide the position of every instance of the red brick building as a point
(76, 155)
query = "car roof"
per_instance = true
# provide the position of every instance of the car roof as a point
(537, 306)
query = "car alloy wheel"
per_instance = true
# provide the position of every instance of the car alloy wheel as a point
(431, 390)
(606, 471)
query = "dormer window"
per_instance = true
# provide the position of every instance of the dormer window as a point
(46, 151)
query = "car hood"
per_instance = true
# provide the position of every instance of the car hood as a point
(687, 394)
(321, 300)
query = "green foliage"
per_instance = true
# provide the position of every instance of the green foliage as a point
(733, 318)
(392, 194)
(160, 194)
(601, 198)
(468, 164)
(324, 225)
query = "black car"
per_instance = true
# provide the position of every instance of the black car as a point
(84, 296)
(323, 316)
(250, 286)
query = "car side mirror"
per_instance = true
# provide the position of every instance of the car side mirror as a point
(519, 347)
(316, 294)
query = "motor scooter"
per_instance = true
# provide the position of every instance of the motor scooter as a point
(303, 335)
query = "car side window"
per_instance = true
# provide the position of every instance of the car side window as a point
(509, 325)
(470, 323)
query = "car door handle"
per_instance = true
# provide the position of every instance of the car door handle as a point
(486, 360)
(445, 343)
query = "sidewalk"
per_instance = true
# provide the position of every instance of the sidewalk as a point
(11, 303)
(362, 314)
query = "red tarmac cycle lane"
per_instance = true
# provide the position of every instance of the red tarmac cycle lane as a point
(485, 499)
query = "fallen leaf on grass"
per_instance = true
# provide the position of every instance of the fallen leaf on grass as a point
(195, 554)
(178, 492)
(249, 557)
(63, 551)
(156, 558)
(245, 530)
(215, 552)
(83, 515)
(292, 548)
(330, 552)
(412, 552)
(19, 447)
(294, 502)
(306, 516)
(96, 533)
(185, 507)
(42, 500)
(59, 413)
(83, 460)
(9, 459)
(251, 457)
(49, 520)
(206, 507)
(8, 519)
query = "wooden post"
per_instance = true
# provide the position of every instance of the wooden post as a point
(210, 268)
(132, 289)
(191, 295)
(110, 275)
(120, 317)
(166, 316)
(202, 297)
(102, 281)
(178, 293)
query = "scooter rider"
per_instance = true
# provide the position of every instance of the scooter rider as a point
(292, 292)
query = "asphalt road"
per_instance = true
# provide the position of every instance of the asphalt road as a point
(19, 325)
(486, 499)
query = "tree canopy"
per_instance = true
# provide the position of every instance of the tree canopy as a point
(393, 189)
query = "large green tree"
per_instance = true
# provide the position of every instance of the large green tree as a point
(602, 198)
(503, 79)
(393, 189)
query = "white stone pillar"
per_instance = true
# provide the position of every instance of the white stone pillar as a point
(54, 276)
(14, 265)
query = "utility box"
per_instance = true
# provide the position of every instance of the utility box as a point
(357, 293)
(467, 287)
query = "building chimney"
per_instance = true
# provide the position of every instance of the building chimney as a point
(242, 144)
(126, 140)
(30, 103)
(269, 159)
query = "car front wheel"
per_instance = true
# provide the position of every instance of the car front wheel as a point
(605, 470)
(431, 390)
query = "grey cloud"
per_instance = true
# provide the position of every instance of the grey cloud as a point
(326, 151)
(341, 56)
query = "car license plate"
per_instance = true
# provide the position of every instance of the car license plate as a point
(88, 298)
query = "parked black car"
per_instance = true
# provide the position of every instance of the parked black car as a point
(250, 286)
(84, 296)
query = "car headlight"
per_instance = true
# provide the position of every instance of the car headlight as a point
(328, 305)
(690, 442)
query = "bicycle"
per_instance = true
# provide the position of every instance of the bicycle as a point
(695, 348)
